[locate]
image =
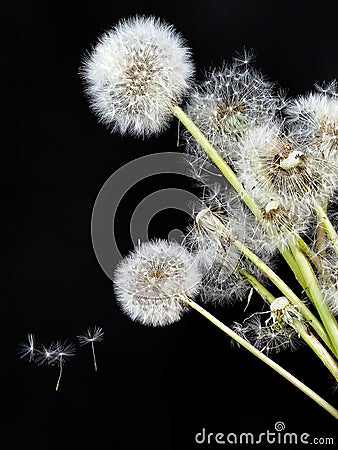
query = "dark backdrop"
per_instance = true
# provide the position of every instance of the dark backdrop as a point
(155, 388)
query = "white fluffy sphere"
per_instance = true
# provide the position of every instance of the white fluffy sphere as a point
(135, 73)
(151, 281)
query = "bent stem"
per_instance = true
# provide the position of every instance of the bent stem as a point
(284, 373)
(302, 330)
(316, 296)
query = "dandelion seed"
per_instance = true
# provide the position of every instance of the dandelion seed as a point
(89, 337)
(28, 350)
(64, 351)
(46, 355)
(135, 73)
(151, 281)
(56, 353)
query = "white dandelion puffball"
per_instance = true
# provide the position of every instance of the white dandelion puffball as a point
(150, 282)
(135, 73)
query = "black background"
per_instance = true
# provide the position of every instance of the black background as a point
(155, 388)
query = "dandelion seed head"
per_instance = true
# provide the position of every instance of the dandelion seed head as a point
(151, 280)
(226, 104)
(135, 73)
(277, 164)
(315, 117)
(266, 338)
(219, 219)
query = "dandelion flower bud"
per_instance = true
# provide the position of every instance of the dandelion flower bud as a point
(152, 280)
(135, 73)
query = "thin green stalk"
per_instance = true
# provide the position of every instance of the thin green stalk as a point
(258, 286)
(316, 296)
(327, 225)
(313, 257)
(284, 373)
(218, 160)
(252, 205)
(284, 288)
(302, 330)
(289, 258)
(229, 175)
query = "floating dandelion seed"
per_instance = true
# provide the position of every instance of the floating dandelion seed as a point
(89, 337)
(64, 352)
(28, 350)
(57, 353)
(46, 355)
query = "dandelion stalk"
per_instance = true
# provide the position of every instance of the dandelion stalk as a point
(218, 160)
(232, 178)
(313, 257)
(211, 223)
(284, 373)
(316, 296)
(302, 330)
(284, 288)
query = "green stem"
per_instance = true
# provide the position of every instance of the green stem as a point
(313, 257)
(327, 225)
(284, 373)
(284, 288)
(218, 160)
(252, 205)
(230, 176)
(302, 330)
(316, 296)
(289, 258)
(258, 286)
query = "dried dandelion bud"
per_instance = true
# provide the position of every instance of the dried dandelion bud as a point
(151, 281)
(135, 73)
